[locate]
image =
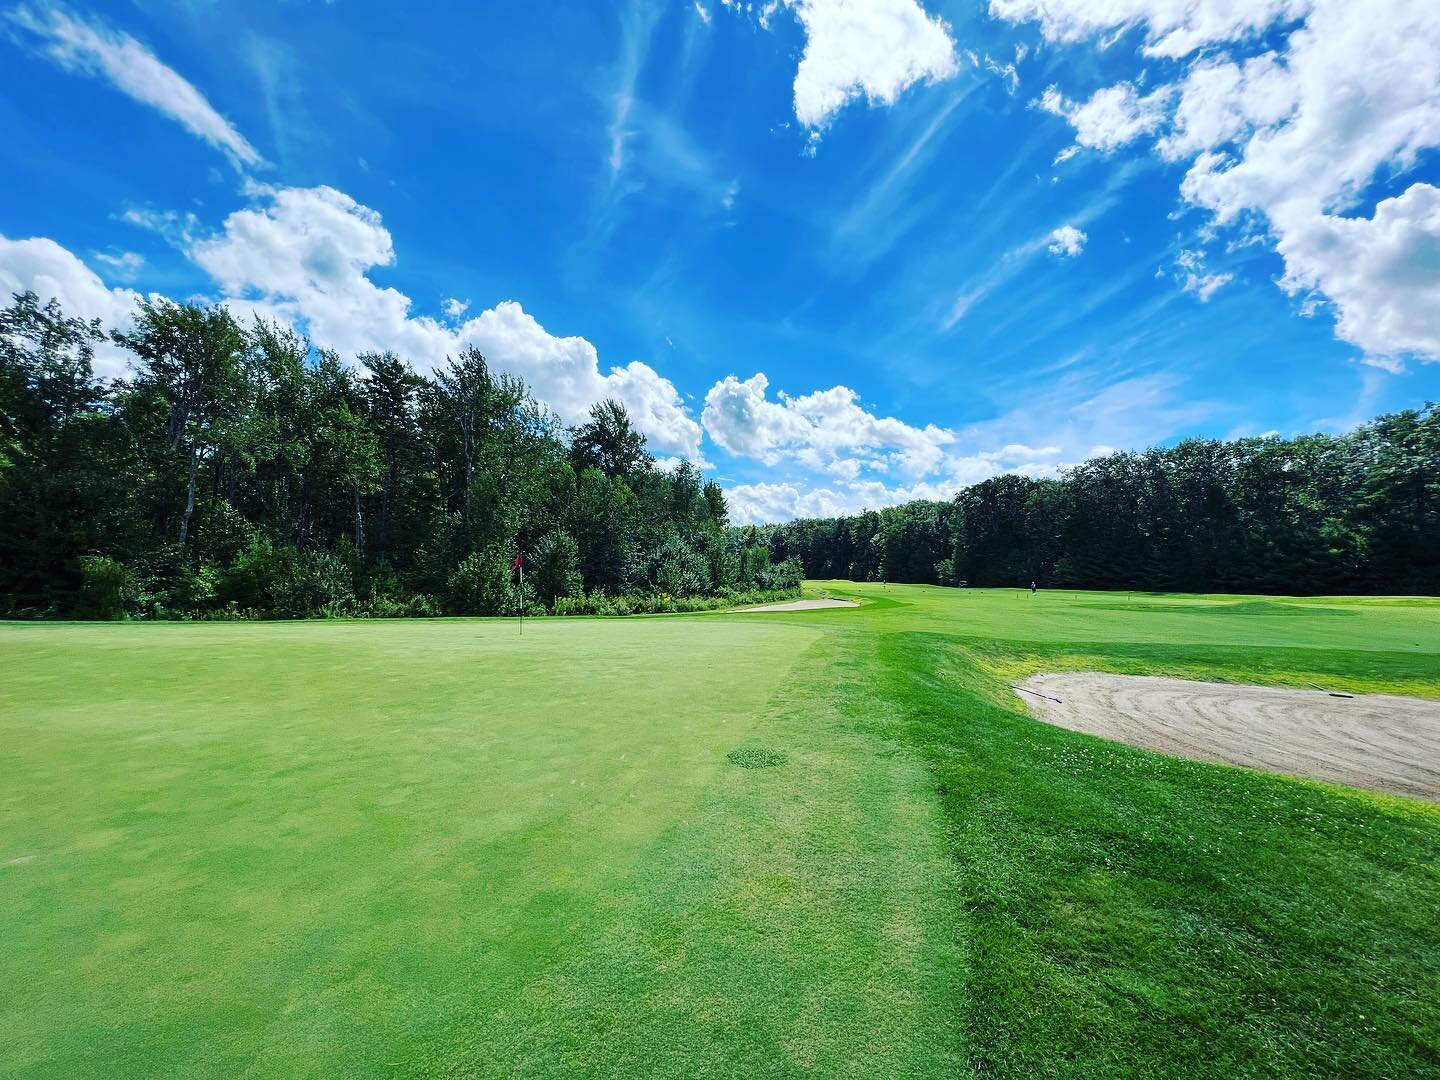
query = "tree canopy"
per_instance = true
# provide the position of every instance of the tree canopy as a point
(240, 472)
(1315, 514)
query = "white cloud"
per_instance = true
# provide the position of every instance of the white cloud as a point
(175, 228)
(741, 419)
(1007, 73)
(875, 49)
(1111, 117)
(1220, 100)
(763, 503)
(1067, 240)
(1382, 273)
(1193, 275)
(770, 501)
(455, 307)
(1173, 28)
(1352, 93)
(91, 48)
(702, 11)
(1062, 423)
(829, 436)
(816, 430)
(51, 272)
(1205, 286)
(1292, 138)
(305, 256)
(124, 265)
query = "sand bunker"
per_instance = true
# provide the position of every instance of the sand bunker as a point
(1373, 741)
(803, 605)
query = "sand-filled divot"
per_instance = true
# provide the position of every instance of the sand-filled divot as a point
(1375, 741)
(803, 605)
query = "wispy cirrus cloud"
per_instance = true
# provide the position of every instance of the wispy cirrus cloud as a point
(89, 47)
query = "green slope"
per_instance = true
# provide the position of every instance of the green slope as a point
(440, 848)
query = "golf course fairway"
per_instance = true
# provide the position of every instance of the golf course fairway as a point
(784, 843)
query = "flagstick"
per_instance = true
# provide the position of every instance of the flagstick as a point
(522, 599)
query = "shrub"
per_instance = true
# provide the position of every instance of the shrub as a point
(285, 583)
(246, 582)
(678, 569)
(480, 585)
(417, 606)
(598, 603)
(572, 605)
(555, 567)
(194, 588)
(107, 588)
(317, 583)
(783, 576)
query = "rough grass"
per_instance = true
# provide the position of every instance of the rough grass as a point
(438, 848)
(756, 757)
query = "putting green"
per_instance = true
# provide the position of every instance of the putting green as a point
(441, 848)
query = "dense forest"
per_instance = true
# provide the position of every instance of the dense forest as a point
(239, 473)
(1355, 513)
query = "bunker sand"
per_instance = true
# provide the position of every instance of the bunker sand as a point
(1376, 741)
(803, 605)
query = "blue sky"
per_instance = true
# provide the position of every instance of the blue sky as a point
(846, 252)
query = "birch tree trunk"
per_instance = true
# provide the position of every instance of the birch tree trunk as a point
(359, 526)
(189, 496)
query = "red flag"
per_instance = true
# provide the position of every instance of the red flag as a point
(519, 561)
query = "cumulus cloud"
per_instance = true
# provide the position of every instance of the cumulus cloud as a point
(1220, 100)
(1292, 137)
(304, 256)
(771, 501)
(1382, 273)
(875, 49)
(1173, 28)
(1066, 241)
(1134, 411)
(863, 461)
(1111, 117)
(51, 272)
(1061, 424)
(816, 430)
(91, 48)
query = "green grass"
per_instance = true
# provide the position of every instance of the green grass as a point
(438, 848)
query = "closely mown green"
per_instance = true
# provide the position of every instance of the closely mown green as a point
(378, 848)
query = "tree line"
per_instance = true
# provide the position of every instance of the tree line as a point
(238, 472)
(1316, 514)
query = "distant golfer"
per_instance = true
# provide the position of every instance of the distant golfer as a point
(1033, 587)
